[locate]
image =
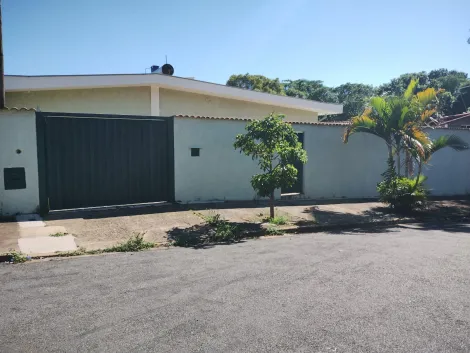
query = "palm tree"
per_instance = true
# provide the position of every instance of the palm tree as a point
(400, 122)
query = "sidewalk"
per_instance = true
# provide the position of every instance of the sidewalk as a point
(100, 229)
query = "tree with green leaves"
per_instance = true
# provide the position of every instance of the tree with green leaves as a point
(310, 89)
(355, 96)
(257, 83)
(274, 144)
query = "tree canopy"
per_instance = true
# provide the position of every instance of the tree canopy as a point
(273, 143)
(454, 99)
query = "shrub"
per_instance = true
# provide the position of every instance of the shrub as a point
(403, 194)
(272, 230)
(224, 231)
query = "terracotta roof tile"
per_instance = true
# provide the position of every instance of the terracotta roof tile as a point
(452, 118)
(19, 109)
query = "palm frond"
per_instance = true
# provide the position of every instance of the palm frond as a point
(397, 105)
(427, 114)
(452, 141)
(427, 96)
(379, 104)
(415, 147)
(410, 89)
(362, 123)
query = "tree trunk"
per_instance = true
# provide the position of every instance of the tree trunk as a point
(390, 152)
(271, 205)
(420, 165)
(398, 163)
(407, 164)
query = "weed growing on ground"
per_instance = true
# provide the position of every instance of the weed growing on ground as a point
(224, 231)
(58, 234)
(272, 230)
(16, 257)
(213, 219)
(135, 243)
(278, 220)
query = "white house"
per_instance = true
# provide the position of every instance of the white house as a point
(95, 140)
(89, 140)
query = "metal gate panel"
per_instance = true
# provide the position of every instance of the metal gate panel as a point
(102, 161)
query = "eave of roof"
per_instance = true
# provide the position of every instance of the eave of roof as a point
(15, 83)
(332, 123)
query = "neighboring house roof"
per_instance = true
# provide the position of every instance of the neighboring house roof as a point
(332, 123)
(452, 118)
(15, 83)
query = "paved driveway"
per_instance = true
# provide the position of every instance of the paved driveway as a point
(399, 290)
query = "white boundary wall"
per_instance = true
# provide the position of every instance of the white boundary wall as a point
(334, 169)
(18, 132)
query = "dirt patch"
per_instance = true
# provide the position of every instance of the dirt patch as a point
(101, 232)
(9, 234)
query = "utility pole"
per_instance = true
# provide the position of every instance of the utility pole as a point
(2, 70)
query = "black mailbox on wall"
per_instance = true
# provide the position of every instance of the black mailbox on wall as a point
(14, 178)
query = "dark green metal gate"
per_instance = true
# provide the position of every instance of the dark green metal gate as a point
(101, 160)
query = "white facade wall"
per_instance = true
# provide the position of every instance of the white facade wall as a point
(334, 170)
(18, 132)
(338, 170)
(449, 171)
(117, 100)
(220, 172)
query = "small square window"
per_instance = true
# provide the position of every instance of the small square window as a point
(195, 152)
(14, 178)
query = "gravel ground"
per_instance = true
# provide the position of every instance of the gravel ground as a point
(403, 289)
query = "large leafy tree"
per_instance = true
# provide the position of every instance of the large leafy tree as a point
(308, 89)
(257, 83)
(274, 144)
(354, 97)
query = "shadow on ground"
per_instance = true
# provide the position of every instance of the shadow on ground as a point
(450, 227)
(132, 210)
(325, 217)
(203, 236)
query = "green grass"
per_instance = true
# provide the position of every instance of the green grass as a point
(60, 234)
(278, 220)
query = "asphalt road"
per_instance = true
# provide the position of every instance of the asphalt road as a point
(399, 290)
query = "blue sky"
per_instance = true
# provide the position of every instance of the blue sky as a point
(336, 41)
